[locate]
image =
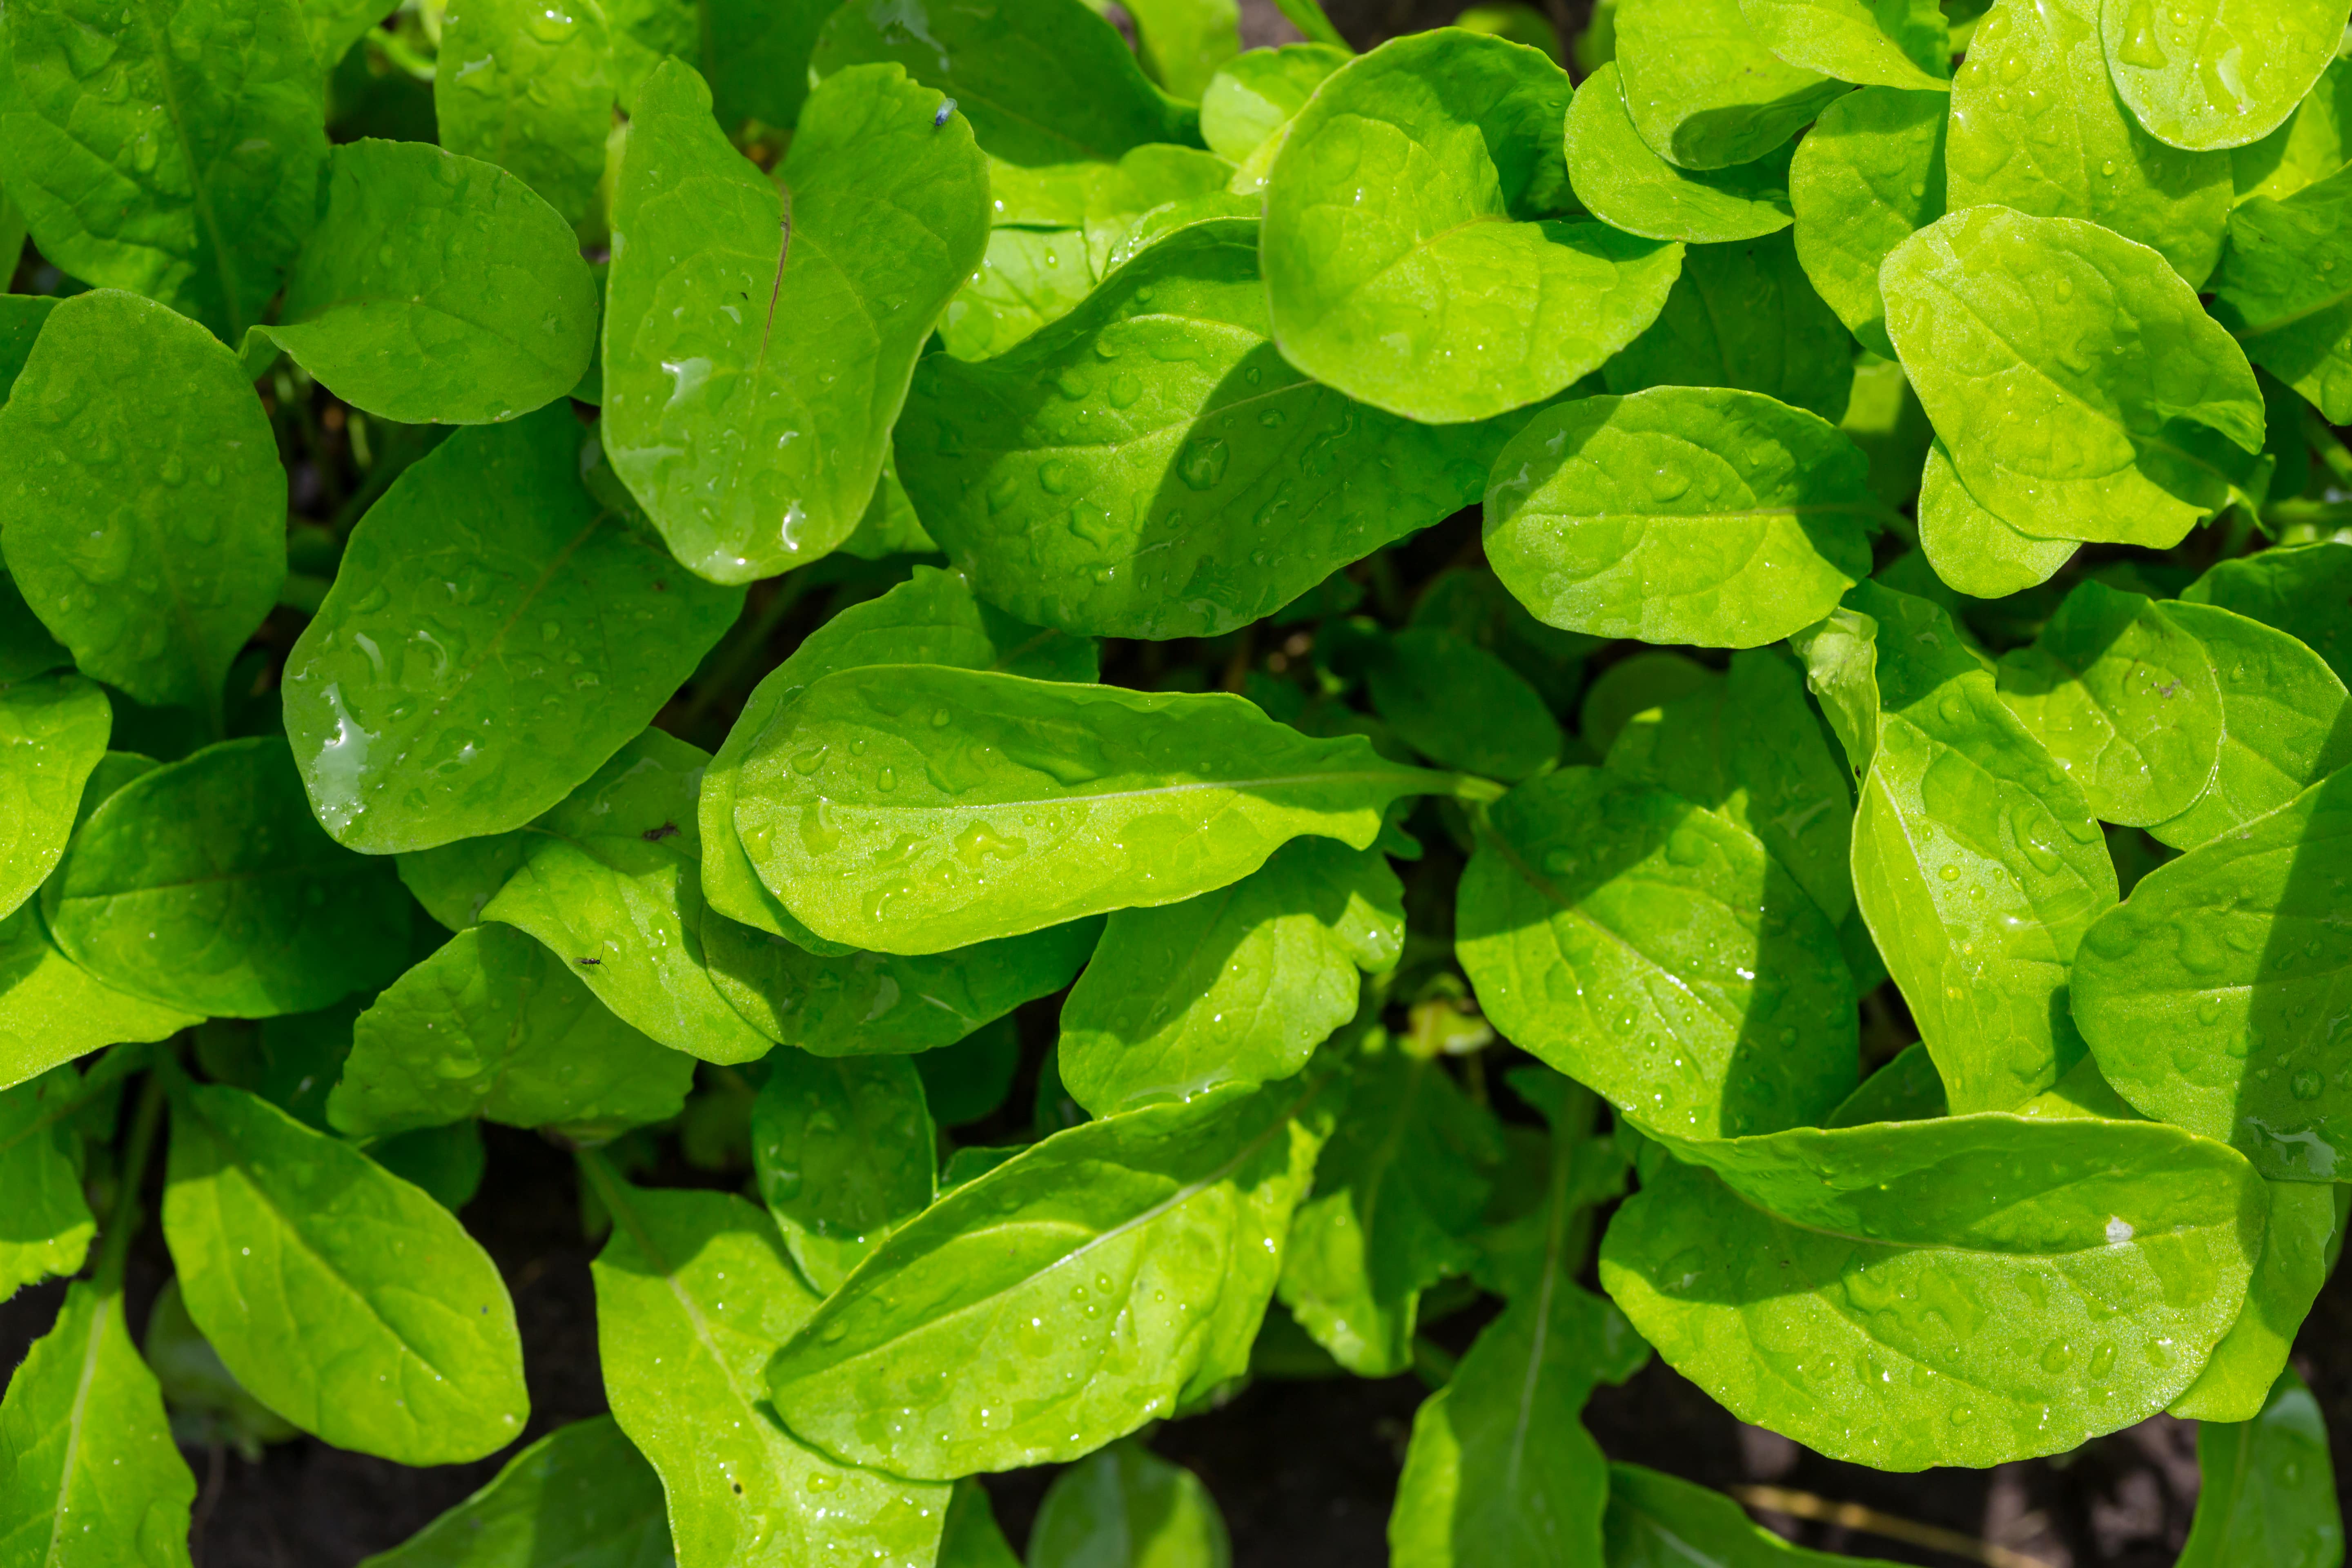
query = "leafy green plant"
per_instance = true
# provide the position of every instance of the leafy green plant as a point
(1032, 650)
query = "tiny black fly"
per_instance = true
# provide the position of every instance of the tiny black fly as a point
(587, 963)
(656, 835)
(947, 107)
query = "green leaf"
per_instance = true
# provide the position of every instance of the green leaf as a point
(495, 1025)
(2304, 151)
(1460, 706)
(52, 1010)
(846, 1152)
(2286, 1280)
(1152, 466)
(85, 1449)
(2217, 73)
(1751, 748)
(534, 94)
(1891, 43)
(26, 646)
(610, 880)
(2127, 702)
(1238, 985)
(752, 462)
(2150, 388)
(1977, 863)
(1627, 187)
(2306, 591)
(1087, 1285)
(2269, 1487)
(1412, 258)
(53, 730)
(1397, 1191)
(1703, 88)
(931, 618)
(2208, 997)
(1964, 1291)
(1744, 316)
(1679, 515)
(2283, 723)
(437, 289)
(495, 632)
(581, 1497)
(2276, 293)
(693, 1294)
(1049, 83)
(967, 1081)
(1500, 1473)
(1656, 1521)
(198, 1389)
(972, 1539)
(1128, 1505)
(1654, 952)
(1252, 96)
(1865, 178)
(342, 1298)
(183, 169)
(1644, 679)
(1973, 551)
(141, 504)
(2037, 126)
(207, 885)
(48, 1228)
(447, 1161)
(1183, 43)
(1904, 1089)
(916, 808)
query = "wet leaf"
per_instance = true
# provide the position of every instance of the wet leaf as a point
(2268, 1490)
(2284, 723)
(2286, 1280)
(1865, 178)
(1893, 43)
(1627, 187)
(1744, 316)
(1658, 1522)
(1974, 552)
(53, 730)
(581, 1497)
(1126, 1504)
(1705, 89)
(2306, 591)
(846, 1152)
(2277, 294)
(2217, 73)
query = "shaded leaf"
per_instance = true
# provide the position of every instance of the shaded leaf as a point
(1628, 186)
(1703, 88)
(53, 730)
(2268, 1490)
(46, 1227)
(581, 1497)
(1658, 1522)
(2275, 293)
(1744, 316)
(846, 1151)
(2284, 723)
(1867, 176)
(2306, 591)
(1128, 1505)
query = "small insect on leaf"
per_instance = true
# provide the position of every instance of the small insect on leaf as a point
(656, 835)
(947, 107)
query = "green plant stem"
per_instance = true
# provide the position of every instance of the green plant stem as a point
(720, 673)
(122, 1218)
(1472, 790)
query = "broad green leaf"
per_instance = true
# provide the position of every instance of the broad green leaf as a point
(610, 880)
(1888, 43)
(1500, 1472)
(1626, 185)
(447, 1161)
(1865, 178)
(1413, 257)
(1658, 1522)
(1647, 679)
(581, 1497)
(2278, 293)
(2209, 998)
(342, 1298)
(46, 1227)
(972, 1539)
(1027, 278)
(2217, 73)
(1964, 1291)
(1105, 200)
(889, 526)
(1084, 1287)
(693, 1294)
(1460, 706)
(1252, 96)
(173, 153)
(2286, 1280)
(53, 730)
(2269, 1487)
(2306, 591)
(1976, 862)
(1126, 1505)
(1883, 418)
(1679, 515)
(1183, 43)
(931, 618)
(530, 89)
(200, 1390)
(2080, 387)
(846, 1151)
(1653, 951)
(207, 885)
(2306, 149)
(141, 504)
(752, 462)
(2284, 723)
(495, 1025)
(1238, 985)
(1397, 1191)
(2037, 126)
(52, 1010)
(495, 632)
(1904, 1089)
(1705, 89)
(1974, 552)
(26, 647)
(1047, 83)
(437, 289)
(916, 808)
(1841, 658)
(88, 1469)
(21, 319)
(2127, 702)
(1744, 316)
(1751, 748)
(1520, 1248)
(1150, 465)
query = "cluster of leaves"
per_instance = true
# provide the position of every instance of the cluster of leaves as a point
(1962, 435)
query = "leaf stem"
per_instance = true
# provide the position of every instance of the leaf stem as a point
(123, 1218)
(1472, 790)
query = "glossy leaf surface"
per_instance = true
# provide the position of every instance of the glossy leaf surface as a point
(1973, 551)
(2268, 1493)
(1900, 45)
(2305, 591)
(2217, 73)
(1702, 88)
(53, 730)
(1628, 186)
(2236, 1382)
(2274, 293)
(1744, 316)
(2284, 723)
(48, 1228)
(845, 1150)
(581, 1497)
(1864, 179)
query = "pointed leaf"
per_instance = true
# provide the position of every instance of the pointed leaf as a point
(1627, 187)
(53, 730)
(2294, 1265)
(581, 1497)
(1703, 88)
(2306, 591)
(2269, 1492)
(1864, 179)
(846, 1152)
(1128, 1505)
